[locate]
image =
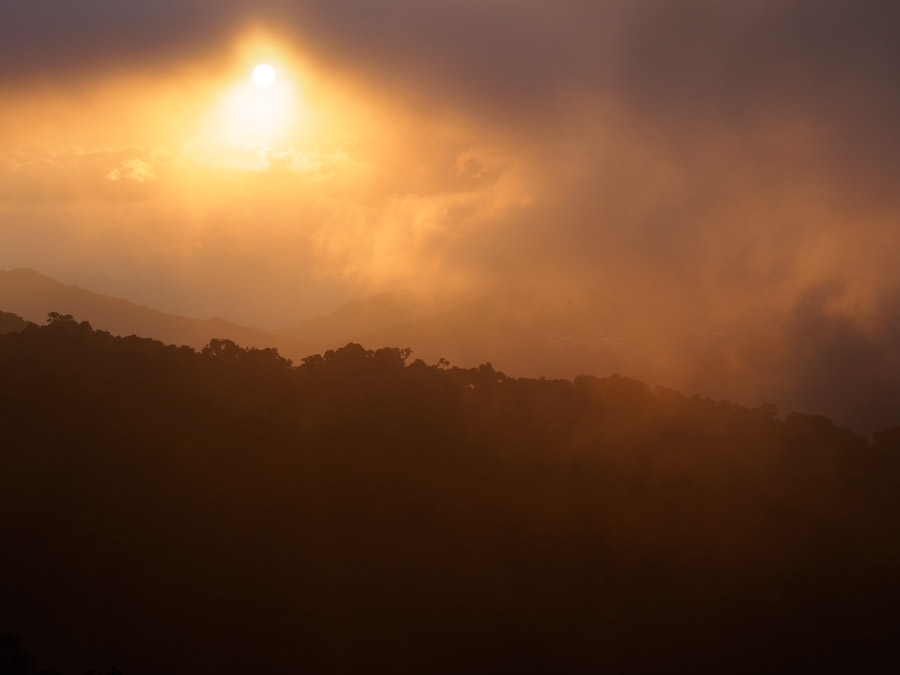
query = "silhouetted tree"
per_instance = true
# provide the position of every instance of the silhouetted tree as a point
(12, 323)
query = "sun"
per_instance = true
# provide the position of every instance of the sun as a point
(264, 75)
(263, 108)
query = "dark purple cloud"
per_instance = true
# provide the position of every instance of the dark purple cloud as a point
(702, 56)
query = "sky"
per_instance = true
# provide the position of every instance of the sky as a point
(709, 176)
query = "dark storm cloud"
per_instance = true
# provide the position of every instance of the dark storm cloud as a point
(677, 67)
(64, 40)
(702, 56)
(518, 57)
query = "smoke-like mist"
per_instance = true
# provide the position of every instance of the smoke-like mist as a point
(699, 193)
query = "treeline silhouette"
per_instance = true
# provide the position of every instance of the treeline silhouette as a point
(169, 511)
(11, 323)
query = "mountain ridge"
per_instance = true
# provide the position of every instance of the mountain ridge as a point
(33, 295)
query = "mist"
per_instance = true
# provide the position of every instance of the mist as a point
(709, 186)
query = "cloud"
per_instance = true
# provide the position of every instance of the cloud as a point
(322, 165)
(59, 40)
(133, 169)
(39, 176)
(226, 151)
(698, 54)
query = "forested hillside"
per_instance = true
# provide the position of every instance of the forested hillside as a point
(172, 511)
(11, 323)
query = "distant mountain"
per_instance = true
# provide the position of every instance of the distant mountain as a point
(519, 334)
(361, 317)
(32, 296)
(555, 337)
(514, 332)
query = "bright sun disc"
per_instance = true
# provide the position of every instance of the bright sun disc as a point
(264, 75)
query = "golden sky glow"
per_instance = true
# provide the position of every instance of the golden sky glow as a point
(314, 178)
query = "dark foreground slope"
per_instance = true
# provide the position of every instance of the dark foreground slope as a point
(165, 511)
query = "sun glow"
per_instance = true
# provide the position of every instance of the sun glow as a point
(305, 113)
(264, 75)
(260, 108)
